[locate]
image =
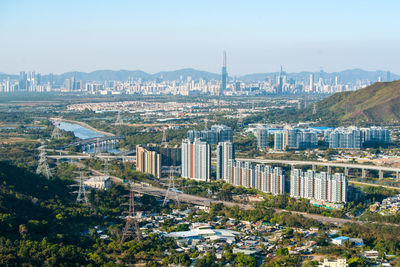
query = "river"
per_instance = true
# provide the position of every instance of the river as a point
(79, 131)
(85, 133)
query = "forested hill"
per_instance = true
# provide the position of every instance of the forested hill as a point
(375, 104)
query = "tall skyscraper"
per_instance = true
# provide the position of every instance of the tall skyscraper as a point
(225, 152)
(22, 84)
(279, 88)
(196, 160)
(311, 82)
(224, 75)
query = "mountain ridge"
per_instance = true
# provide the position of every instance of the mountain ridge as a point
(374, 104)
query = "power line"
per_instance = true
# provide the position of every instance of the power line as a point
(81, 194)
(119, 120)
(131, 228)
(56, 133)
(171, 192)
(43, 167)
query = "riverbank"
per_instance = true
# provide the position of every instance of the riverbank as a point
(83, 124)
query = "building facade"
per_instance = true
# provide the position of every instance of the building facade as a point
(347, 138)
(225, 152)
(259, 176)
(318, 186)
(217, 133)
(196, 160)
(152, 159)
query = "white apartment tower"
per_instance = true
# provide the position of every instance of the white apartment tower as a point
(196, 160)
(225, 152)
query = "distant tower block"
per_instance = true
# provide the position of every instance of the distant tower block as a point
(119, 121)
(43, 167)
(171, 191)
(131, 228)
(164, 137)
(224, 75)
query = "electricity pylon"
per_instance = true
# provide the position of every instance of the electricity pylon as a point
(56, 133)
(43, 166)
(171, 191)
(119, 121)
(81, 194)
(131, 228)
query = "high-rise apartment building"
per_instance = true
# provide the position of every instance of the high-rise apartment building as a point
(375, 135)
(261, 177)
(318, 186)
(262, 137)
(152, 158)
(279, 142)
(217, 133)
(196, 160)
(341, 137)
(148, 161)
(225, 152)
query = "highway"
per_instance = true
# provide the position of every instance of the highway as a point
(88, 156)
(160, 192)
(375, 185)
(326, 164)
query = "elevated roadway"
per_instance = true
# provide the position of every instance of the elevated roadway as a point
(329, 165)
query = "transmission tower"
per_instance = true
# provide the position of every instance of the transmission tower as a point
(81, 196)
(119, 121)
(43, 166)
(106, 164)
(171, 191)
(131, 228)
(56, 134)
(205, 124)
(164, 137)
(314, 111)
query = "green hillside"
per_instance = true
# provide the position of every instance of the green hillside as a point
(377, 103)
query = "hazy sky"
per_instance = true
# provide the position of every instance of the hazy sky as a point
(259, 36)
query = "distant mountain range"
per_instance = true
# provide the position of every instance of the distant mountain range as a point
(346, 76)
(377, 103)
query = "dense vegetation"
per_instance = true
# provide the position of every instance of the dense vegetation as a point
(40, 224)
(377, 103)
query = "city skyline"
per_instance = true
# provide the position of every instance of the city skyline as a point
(258, 36)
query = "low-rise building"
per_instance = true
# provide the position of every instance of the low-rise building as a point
(98, 182)
(334, 263)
